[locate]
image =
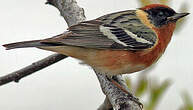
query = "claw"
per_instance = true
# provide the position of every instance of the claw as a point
(131, 96)
(136, 100)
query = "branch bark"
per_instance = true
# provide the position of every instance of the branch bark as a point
(28, 70)
(73, 14)
(69, 10)
(116, 98)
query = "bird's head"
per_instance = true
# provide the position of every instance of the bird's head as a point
(160, 15)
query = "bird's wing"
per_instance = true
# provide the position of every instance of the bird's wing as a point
(121, 30)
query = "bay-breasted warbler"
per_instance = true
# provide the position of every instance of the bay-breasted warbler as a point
(117, 43)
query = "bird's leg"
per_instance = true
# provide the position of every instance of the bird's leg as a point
(119, 85)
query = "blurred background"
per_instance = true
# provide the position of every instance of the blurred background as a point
(68, 85)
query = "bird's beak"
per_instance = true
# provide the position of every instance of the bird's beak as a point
(177, 16)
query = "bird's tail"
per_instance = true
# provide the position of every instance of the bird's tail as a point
(33, 43)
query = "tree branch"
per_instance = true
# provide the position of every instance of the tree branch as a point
(69, 10)
(73, 14)
(36, 66)
(118, 99)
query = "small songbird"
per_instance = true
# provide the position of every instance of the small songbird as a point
(117, 43)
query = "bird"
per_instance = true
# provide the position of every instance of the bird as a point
(118, 43)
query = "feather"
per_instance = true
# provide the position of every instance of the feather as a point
(23, 44)
(101, 33)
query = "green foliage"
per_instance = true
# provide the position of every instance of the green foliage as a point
(147, 2)
(144, 2)
(142, 86)
(154, 90)
(128, 82)
(164, 1)
(147, 86)
(188, 103)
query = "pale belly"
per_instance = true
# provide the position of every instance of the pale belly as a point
(127, 69)
(108, 61)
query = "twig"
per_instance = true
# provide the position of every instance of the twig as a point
(72, 14)
(36, 66)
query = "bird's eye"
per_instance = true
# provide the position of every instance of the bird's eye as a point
(160, 13)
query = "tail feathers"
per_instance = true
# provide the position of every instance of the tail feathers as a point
(34, 43)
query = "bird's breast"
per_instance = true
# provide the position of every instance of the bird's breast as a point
(114, 62)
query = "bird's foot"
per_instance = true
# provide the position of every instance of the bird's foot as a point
(136, 100)
(130, 95)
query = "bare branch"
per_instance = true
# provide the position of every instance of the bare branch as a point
(118, 99)
(72, 14)
(69, 9)
(36, 66)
